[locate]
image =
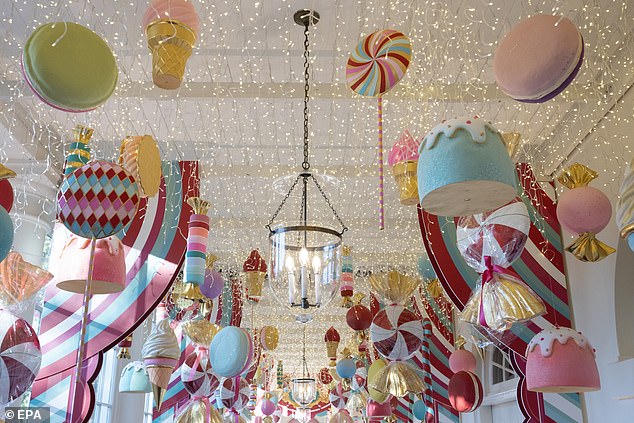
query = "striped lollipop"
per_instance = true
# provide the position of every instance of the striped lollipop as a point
(378, 63)
(375, 67)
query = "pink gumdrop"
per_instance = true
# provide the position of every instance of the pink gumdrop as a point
(584, 209)
(267, 407)
(462, 360)
(180, 10)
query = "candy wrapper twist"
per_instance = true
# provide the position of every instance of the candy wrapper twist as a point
(19, 281)
(393, 287)
(501, 300)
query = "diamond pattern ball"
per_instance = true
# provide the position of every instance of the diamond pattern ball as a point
(97, 200)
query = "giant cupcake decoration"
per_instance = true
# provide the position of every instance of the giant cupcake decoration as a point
(160, 356)
(584, 211)
(172, 28)
(561, 360)
(464, 168)
(538, 58)
(403, 159)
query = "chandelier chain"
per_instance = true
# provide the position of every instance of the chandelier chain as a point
(286, 197)
(332, 208)
(305, 163)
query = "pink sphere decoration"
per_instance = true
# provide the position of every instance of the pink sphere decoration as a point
(462, 360)
(377, 411)
(267, 407)
(561, 360)
(180, 10)
(584, 209)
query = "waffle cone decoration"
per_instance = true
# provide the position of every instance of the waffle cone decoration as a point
(171, 44)
(254, 269)
(584, 211)
(159, 378)
(392, 286)
(140, 156)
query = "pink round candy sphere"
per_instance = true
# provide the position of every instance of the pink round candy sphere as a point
(267, 407)
(462, 361)
(180, 10)
(584, 209)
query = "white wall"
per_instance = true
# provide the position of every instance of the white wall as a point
(592, 284)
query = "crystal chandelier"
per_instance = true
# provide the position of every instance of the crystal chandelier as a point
(305, 256)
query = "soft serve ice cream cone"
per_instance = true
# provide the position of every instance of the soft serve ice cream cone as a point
(160, 356)
(171, 27)
(403, 158)
(255, 270)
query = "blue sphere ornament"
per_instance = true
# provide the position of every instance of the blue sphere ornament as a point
(419, 409)
(6, 233)
(630, 241)
(346, 368)
(464, 168)
(425, 269)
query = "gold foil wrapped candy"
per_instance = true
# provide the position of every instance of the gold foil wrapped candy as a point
(20, 280)
(6, 173)
(505, 300)
(392, 286)
(200, 331)
(576, 176)
(399, 379)
(199, 411)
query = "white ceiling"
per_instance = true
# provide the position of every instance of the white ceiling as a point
(239, 110)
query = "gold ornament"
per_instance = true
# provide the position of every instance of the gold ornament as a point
(393, 286)
(6, 173)
(577, 175)
(512, 142)
(589, 249)
(199, 412)
(200, 331)
(199, 205)
(399, 379)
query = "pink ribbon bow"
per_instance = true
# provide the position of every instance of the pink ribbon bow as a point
(487, 276)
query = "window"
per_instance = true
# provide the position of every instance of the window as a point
(104, 388)
(501, 369)
(149, 408)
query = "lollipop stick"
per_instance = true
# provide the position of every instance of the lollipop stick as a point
(75, 403)
(381, 210)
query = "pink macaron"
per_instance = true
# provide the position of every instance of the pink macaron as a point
(538, 58)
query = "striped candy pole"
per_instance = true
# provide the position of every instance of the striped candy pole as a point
(381, 209)
(427, 377)
(195, 257)
(79, 151)
(347, 277)
(280, 375)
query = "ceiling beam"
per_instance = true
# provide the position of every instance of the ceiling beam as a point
(461, 93)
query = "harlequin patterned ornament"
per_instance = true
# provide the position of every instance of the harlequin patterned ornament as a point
(197, 375)
(97, 200)
(396, 332)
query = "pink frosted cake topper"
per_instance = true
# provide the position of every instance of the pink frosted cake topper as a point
(547, 337)
(405, 149)
(474, 125)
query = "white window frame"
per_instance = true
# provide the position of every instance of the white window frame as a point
(503, 391)
(148, 411)
(105, 388)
